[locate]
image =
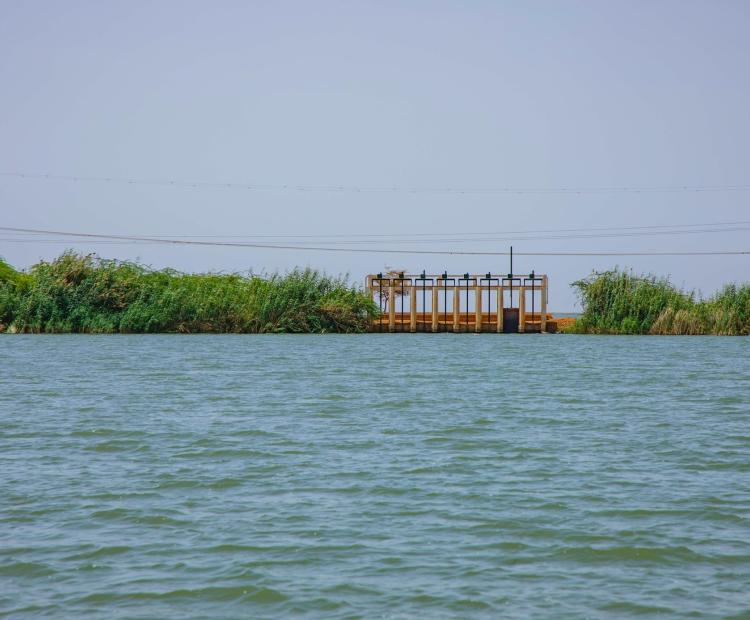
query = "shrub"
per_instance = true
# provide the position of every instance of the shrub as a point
(619, 302)
(77, 293)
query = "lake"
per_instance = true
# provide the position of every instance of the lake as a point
(375, 476)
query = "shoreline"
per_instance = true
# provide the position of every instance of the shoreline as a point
(91, 295)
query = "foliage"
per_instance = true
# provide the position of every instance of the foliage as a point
(620, 302)
(87, 294)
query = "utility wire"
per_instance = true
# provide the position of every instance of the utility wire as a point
(370, 242)
(614, 189)
(390, 241)
(529, 235)
(677, 227)
(154, 240)
(336, 239)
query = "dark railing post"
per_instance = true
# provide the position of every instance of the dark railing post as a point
(445, 298)
(380, 302)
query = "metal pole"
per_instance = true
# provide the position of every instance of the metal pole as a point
(511, 261)
(424, 305)
(488, 278)
(445, 298)
(466, 280)
(402, 302)
(510, 275)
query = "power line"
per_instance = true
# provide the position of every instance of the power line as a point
(155, 240)
(395, 239)
(384, 189)
(422, 241)
(529, 235)
(677, 227)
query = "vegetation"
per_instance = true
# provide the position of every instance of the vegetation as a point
(87, 294)
(619, 302)
(8, 274)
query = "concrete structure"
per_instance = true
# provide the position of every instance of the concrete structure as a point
(509, 303)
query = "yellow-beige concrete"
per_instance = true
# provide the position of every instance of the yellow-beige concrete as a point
(451, 291)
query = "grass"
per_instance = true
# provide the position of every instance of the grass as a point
(87, 294)
(620, 302)
(8, 274)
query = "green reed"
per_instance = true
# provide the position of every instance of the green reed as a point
(620, 302)
(87, 294)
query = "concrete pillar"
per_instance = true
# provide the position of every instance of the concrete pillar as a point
(413, 309)
(456, 309)
(434, 308)
(478, 309)
(500, 302)
(391, 308)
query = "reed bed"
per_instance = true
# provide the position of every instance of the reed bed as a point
(88, 294)
(620, 302)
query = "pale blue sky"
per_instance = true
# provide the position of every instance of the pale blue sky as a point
(435, 94)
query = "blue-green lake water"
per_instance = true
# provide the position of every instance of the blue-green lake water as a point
(374, 476)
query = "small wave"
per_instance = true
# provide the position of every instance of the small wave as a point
(627, 607)
(267, 595)
(719, 466)
(161, 520)
(117, 446)
(226, 483)
(351, 588)
(130, 516)
(211, 593)
(180, 484)
(218, 453)
(646, 513)
(466, 604)
(26, 569)
(505, 545)
(99, 432)
(427, 600)
(112, 513)
(101, 552)
(665, 555)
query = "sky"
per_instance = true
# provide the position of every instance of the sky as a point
(402, 95)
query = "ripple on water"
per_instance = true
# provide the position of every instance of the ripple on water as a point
(228, 476)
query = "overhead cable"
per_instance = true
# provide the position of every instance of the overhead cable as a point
(155, 240)
(386, 189)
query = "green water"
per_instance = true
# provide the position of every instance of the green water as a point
(376, 476)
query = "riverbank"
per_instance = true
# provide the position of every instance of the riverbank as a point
(621, 302)
(87, 294)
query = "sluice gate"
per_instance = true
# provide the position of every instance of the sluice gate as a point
(460, 303)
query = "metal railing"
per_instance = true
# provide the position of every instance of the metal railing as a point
(456, 302)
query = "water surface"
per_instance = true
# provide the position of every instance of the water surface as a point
(377, 476)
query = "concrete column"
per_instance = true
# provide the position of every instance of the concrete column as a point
(413, 309)
(478, 309)
(434, 308)
(391, 308)
(500, 302)
(456, 309)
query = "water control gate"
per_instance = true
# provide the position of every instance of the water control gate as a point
(500, 303)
